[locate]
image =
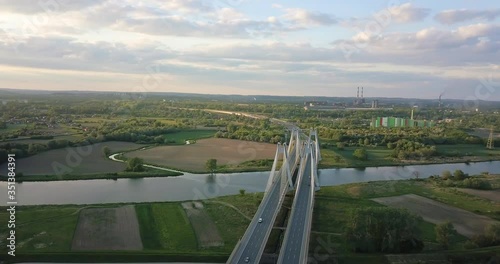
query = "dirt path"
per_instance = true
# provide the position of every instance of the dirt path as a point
(493, 195)
(465, 222)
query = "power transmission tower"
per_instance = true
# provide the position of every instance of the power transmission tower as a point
(490, 145)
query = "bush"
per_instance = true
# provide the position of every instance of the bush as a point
(474, 183)
(491, 237)
(444, 234)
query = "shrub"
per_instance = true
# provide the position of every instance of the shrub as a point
(474, 183)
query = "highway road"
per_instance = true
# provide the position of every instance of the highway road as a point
(292, 245)
(253, 246)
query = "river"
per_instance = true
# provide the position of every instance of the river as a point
(199, 186)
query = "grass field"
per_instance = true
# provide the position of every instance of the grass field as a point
(231, 223)
(229, 153)
(181, 137)
(42, 228)
(380, 156)
(168, 227)
(73, 161)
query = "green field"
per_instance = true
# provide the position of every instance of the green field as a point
(42, 228)
(165, 226)
(230, 223)
(183, 136)
(381, 156)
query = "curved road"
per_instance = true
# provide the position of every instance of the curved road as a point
(113, 158)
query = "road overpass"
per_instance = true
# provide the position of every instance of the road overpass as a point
(302, 154)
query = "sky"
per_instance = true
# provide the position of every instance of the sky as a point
(392, 48)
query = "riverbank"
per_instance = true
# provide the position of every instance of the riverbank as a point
(96, 176)
(45, 233)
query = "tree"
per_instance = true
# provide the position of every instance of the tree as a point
(242, 192)
(360, 154)
(381, 229)
(135, 165)
(459, 175)
(446, 174)
(211, 165)
(106, 151)
(367, 142)
(444, 233)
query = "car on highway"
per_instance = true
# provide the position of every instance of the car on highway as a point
(247, 259)
(260, 220)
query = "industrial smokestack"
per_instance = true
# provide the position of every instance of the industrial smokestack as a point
(362, 90)
(357, 95)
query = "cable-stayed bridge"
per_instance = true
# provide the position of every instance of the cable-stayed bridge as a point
(298, 171)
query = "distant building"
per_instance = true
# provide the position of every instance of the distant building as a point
(391, 122)
(375, 104)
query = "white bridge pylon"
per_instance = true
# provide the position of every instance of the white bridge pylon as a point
(291, 155)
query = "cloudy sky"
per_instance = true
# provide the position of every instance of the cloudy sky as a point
(392, 48)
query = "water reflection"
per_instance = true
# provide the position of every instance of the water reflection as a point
(191, 186)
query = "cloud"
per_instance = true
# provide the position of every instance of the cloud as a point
(303, 18)
(449, 17)
(407, 13)
(472, 44)
(33, 7)
(71, 54)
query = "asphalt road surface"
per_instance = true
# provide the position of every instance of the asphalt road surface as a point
(256, 240)
(290, 253)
